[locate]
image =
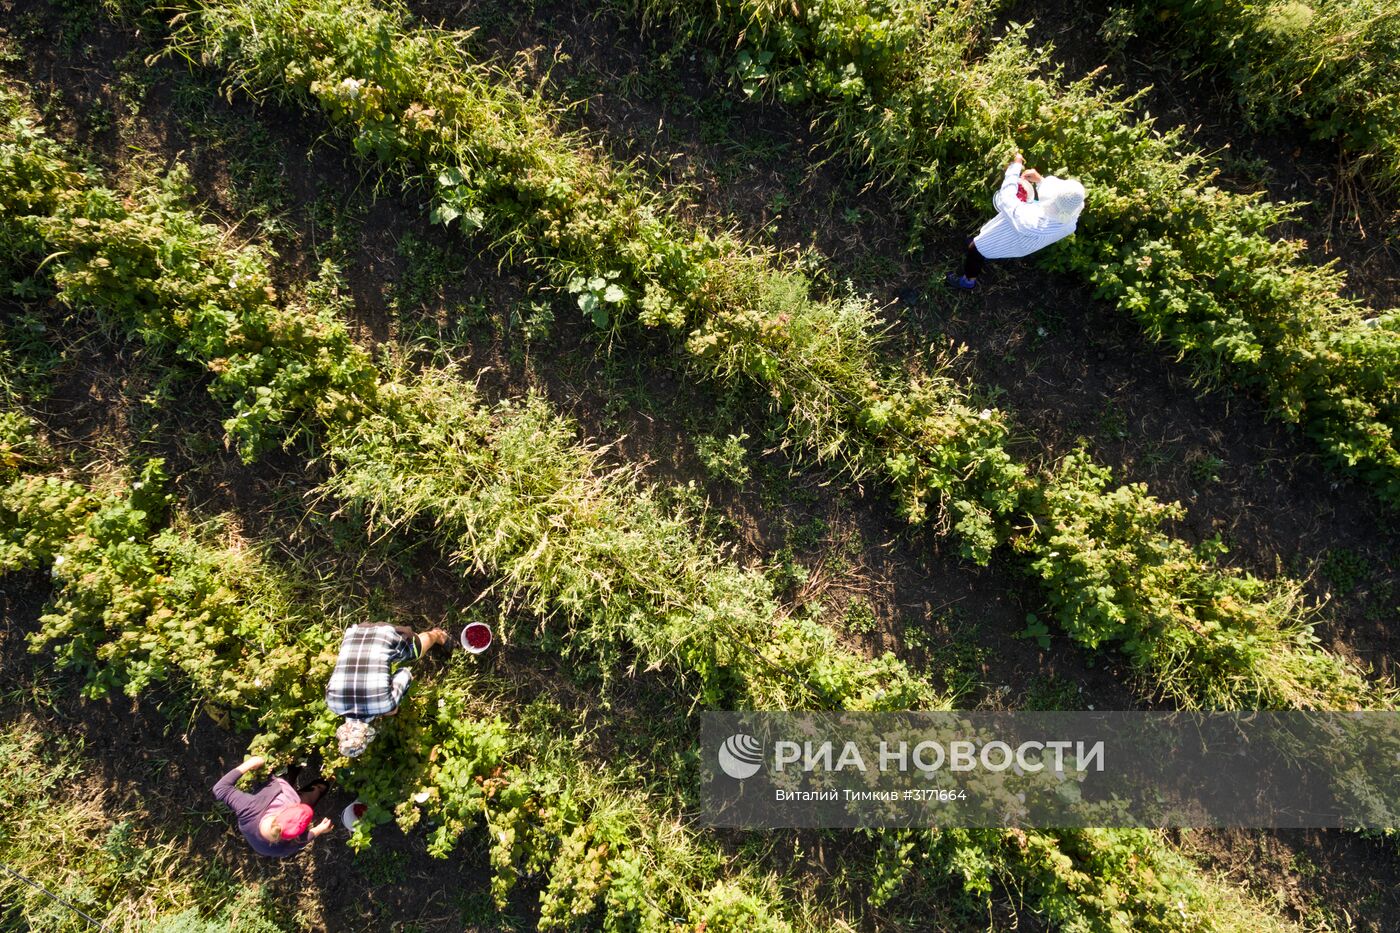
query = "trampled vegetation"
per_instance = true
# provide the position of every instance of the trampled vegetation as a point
(591, 566)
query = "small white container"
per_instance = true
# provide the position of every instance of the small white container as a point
(479, 632)
(351, 814)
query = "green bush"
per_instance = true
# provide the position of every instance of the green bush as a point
(917, 96)
(612, 577)
(177, 282)
(1119, 579)
(1331, 64)
(725, 458)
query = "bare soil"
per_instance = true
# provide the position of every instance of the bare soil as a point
(1066, 365)
(1069, 368)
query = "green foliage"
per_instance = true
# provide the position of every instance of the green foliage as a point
(859, 618)
(1123, 881)
(613, 578)
(724, 458)
(27, 359)
(598, 295)
(750, 69)
(39, 511)
(1117, 578)
(1207, 469)
(407, 96)
(146, 264)
(247, 914)
(912, 95)
(1346, 569)
(136, 603)
(616, 579)
(1333, 64)
(1037, 630)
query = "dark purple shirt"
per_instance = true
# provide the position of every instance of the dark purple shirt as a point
(249, 810)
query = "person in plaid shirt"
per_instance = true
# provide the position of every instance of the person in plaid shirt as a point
(364, 684)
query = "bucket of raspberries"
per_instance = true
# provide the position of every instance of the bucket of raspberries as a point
(476, 637)
(351, 814)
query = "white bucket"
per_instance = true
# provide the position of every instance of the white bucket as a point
(351, 814)
(477, 637)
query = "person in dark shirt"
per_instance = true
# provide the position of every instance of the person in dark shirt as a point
(365, 684)
(276, 818)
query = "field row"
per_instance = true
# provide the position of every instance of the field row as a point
(615, 581)
(1334, 65)
(931, 108)
(1197, 633)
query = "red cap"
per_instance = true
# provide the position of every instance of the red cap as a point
(294, 820)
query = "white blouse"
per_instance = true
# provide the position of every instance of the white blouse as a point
(1020, 227)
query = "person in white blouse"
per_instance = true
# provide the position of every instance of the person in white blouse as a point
(1032, 213)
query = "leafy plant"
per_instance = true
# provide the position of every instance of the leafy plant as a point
(613, 579)
(1121, 580)
(724, 458)
(932, 108)
(1206, 469)
(750, 69)
(455, 201)
(598, 295)
(1333, 64)
(276, 364)
(1345, 568)
(1037, 630)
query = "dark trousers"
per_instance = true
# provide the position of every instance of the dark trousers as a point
(973, 261)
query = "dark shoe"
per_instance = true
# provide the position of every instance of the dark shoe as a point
(960, 282)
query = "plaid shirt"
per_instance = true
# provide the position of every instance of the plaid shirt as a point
(362, 685)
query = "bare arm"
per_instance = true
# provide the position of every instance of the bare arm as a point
(430, 638)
